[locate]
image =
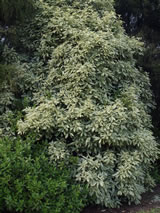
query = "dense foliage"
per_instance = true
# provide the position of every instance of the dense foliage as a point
(29, 183)
(79, 88)
(93, 102)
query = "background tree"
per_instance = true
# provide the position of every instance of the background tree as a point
(12, 11)
(142, 18)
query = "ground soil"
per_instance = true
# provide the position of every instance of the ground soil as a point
(148, 202)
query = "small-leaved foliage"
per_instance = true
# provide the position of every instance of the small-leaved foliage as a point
(30, 184)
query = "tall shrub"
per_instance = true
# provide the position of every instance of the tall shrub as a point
(94, 102)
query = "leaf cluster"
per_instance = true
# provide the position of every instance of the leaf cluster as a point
(29, 183)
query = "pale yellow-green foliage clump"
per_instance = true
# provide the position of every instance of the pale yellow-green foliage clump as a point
(93, 101)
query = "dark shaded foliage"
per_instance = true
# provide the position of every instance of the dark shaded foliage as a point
(142, 18)
(11, 10)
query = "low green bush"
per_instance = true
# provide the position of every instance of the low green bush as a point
(29, 183)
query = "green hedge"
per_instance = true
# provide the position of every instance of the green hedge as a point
(28, 183)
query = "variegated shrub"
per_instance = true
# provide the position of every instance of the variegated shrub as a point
(93, 102)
